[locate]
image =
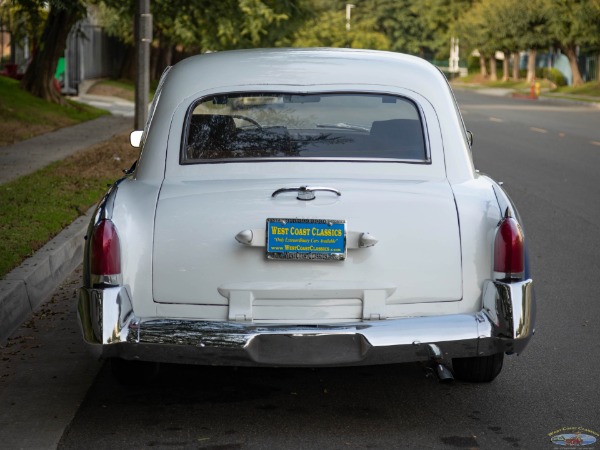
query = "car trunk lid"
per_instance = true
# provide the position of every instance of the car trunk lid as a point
(197, 260)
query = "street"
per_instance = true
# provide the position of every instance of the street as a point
(547, 153)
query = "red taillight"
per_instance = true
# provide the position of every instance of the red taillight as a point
(509, 258)
(105, 249)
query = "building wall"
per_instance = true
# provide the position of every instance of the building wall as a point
(91, 53)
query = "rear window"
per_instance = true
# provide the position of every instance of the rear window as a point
(250, 126)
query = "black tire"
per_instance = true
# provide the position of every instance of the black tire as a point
(133, 373)
(478, 369)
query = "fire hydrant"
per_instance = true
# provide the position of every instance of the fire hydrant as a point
(534, 92)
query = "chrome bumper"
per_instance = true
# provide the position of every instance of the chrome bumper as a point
(504, 324)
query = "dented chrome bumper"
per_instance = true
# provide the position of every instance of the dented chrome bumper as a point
(504, 324)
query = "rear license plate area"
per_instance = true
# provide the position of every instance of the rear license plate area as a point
(306, 239)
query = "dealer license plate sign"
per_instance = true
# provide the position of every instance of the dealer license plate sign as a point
(306, 239)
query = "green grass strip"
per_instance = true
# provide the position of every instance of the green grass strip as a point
(36, 207)
(17, 104)
(588, 89)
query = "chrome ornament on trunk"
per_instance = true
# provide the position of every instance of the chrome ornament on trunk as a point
(306, 193)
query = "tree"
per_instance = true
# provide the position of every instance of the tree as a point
(530, 22)
(401, 22)
(197, 26)
(418, 27)
(23, 21)
(39, 76)
(574, 23)
(440, 19)
(506, 34)
(475, 30)
(231, 24)
(328, 29)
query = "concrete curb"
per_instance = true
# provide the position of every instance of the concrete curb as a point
(33, 282)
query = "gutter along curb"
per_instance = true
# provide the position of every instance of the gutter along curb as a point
(32, 283)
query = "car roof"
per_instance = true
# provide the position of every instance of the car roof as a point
(304, 67)
(303, 70)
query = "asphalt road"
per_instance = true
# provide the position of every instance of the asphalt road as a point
(548, 155)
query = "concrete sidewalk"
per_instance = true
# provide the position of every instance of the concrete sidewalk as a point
(32, 283)
(28, 156)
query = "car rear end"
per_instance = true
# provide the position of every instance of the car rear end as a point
(306, 224)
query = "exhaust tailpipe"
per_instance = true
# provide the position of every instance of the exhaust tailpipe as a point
(437, 362)
(443, 373)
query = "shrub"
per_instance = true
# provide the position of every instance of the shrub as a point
(551, 74)
(473, 64)
(555, 76)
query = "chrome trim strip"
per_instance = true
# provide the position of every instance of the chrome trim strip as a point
(106, 280)
(506, 276)
(505, 324)
(308, 159)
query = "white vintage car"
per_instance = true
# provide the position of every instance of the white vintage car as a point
(306, 207)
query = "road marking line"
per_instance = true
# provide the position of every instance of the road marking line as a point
(495, 119)
(538, 130)
(595, 143)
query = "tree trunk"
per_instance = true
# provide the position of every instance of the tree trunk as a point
(482, 67)
(39, 77)
(571, 52)
(168, 61)
(493, 71)
(165, 58)
(505, 67)
(531, 66)
(154, 60)
(516, 60)
(127, 71)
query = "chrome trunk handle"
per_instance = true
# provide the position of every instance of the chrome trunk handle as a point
(305, 192)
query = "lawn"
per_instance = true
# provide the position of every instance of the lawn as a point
(588, 89)
(36, 207)
(124, 89)
(23, 116)
(475, 81)
(591, 89)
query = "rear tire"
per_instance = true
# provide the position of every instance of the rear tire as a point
(133, 373)
(478, 369)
